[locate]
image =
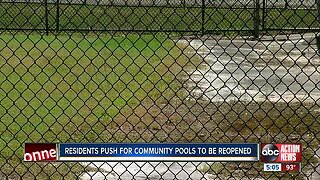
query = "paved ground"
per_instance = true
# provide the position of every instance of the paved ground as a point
(316, 175)
(284, 69)
(281, 70)
(143, 170)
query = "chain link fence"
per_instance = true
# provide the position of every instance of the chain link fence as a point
(158, 71)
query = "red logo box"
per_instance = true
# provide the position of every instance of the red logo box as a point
(281, 152)
(40, 152)
(290, 167)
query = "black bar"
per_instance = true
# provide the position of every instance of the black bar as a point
(318, 8)
(46, 16)
(256, 20)
(305, 30)
(264, 15)
(132, 30)
(286, 5)
(318, 18)
(57, 16)
(202, 17)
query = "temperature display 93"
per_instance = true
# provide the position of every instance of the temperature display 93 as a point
(290, 167)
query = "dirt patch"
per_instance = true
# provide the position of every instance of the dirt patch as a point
(204, 121)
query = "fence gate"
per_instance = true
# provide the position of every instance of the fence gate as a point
(158, 71)
(289, 15)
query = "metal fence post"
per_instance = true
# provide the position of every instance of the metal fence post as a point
(318, 18)
(256, 19)
(264, 18)
(202, 17)
(318, 7)
(46, 16)
(286, 4)
(57, 15)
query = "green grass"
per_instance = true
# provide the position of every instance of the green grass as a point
(126, 88)
(56, 88)
(90, 17)
(108, 88)
(62, 88)
(290, 18)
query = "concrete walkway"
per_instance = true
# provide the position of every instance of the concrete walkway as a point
(146, 170)
(276, 70)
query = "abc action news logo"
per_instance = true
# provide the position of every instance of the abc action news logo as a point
(281, 152)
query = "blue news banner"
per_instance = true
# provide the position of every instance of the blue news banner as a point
(158, 152)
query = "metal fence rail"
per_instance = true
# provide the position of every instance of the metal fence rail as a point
(216, 3)
(200, 16)
(158, 71)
